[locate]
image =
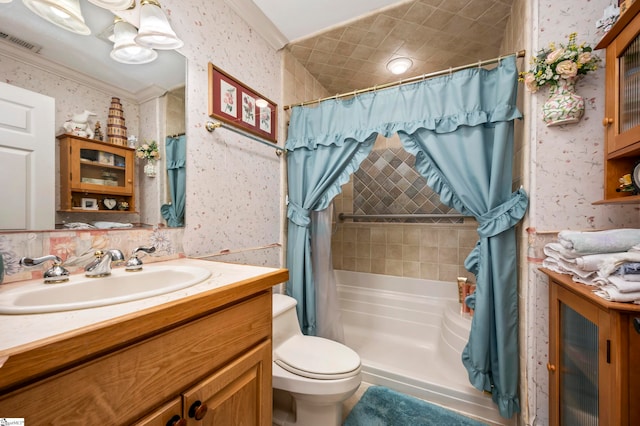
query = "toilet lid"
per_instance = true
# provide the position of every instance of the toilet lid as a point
(317, 358)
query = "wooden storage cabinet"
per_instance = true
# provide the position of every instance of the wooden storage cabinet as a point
(594, 378)
(221, 360)
(95, 170)
(622, 104)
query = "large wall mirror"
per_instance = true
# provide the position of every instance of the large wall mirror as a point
(78, 72)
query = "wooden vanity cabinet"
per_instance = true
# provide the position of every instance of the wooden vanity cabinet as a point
(622, 104)
(594, 377)
(91, 169)
(219, 362)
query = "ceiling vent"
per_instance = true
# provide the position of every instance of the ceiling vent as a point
(35, 48)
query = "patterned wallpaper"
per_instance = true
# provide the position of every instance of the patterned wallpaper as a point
(234, 190)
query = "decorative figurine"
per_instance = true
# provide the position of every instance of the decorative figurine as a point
(626, 184)
(79, 125)
(97, 132)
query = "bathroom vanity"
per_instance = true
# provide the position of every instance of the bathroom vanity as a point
(202, 354)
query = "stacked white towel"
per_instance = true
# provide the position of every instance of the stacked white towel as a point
(608, 260)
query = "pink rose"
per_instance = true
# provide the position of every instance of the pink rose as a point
(584, 57)
(567, 69)
(554, 56)
(530, 83)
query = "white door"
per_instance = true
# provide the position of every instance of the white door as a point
(27, 159)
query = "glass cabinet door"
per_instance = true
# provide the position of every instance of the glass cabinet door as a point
(622, 102)
(629, 90)
(579, 372)
(102, 168)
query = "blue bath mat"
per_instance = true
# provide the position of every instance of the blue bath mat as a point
(380, 406)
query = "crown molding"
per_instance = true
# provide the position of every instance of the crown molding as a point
(257, 20)
(34, 60)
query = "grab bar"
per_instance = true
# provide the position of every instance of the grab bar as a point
(343, 216)
(213, 125)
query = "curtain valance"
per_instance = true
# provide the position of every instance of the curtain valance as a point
(473, 96)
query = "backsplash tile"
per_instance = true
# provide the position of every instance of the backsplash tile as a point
(387, 183)
(71, 244)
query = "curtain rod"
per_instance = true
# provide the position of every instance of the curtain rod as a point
(519, 54)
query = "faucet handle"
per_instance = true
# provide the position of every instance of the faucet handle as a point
(134, 263)
(56, 274)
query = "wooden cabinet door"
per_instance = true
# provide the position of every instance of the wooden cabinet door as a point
(239, 394)
(169, 414)
(580, 365)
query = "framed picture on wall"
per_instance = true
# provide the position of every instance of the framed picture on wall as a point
(233, 103)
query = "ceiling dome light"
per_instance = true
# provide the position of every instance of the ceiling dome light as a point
(63, 13)
(113, 4)
(155, 31)
(399, 65)
(125, 49)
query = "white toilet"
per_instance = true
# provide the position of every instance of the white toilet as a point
(312, 376)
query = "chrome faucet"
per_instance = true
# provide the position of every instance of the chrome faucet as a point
(101, 265)
(56, 274)
(134, 263)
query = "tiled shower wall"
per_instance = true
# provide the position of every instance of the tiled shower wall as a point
(387, 183)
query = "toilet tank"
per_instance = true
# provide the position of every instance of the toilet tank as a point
(285, 319)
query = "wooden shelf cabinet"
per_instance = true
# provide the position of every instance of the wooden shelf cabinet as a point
(95, 170)
(594, 378)
(622, 104)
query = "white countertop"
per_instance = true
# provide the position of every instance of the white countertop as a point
(20, 330)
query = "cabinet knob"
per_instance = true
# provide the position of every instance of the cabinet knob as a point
(198, 410)
(177, 421)
(607, 121)
(551, 367)
(129, 181)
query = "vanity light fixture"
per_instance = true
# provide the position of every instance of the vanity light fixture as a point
(114, 4)
(125, 49)
(154, 31)
(399, 65)
(63, 13)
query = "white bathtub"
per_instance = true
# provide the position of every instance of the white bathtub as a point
(410, 334)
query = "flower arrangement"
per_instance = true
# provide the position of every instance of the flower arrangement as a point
(559, 62)
(148, 151)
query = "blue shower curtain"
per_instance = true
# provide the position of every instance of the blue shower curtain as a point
(176, 160)
(460, 128)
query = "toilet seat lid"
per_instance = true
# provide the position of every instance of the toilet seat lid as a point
(317, 358)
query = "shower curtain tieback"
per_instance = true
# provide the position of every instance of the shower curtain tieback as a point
(460, 128)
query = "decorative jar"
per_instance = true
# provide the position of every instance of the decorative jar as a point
(563, 106)
(150, 168)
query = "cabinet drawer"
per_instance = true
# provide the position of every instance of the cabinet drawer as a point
(119, 387)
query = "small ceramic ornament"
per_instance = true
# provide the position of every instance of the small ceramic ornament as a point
(78, 124)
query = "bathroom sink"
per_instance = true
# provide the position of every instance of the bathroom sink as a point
(82, 292)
